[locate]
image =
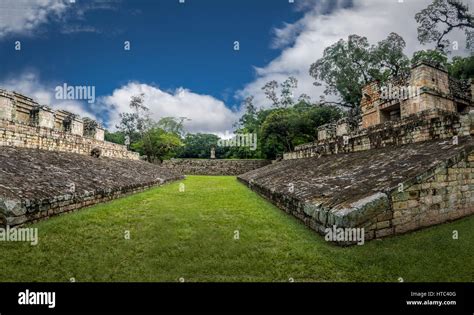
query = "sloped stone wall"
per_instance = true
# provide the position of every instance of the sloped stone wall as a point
(447, 194)
(386, 191)
(36, 184)
(214, 167)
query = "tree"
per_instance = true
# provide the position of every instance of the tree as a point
(287, 88)
(286, 94)
(141, 111)
(172, 125)
(198, 146)
(249, 122)
(285, 128)
(348, 65)
(442, 17)
(158, 145)
(270, 91)
(280, 126)
(388, 58)
(434, 57)
(344, 68)
(115, 137)
(304, 98)
(136, 123)
(462, 68)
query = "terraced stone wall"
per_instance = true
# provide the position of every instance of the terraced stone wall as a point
(214, 167)
(17, 134)
(427, 125)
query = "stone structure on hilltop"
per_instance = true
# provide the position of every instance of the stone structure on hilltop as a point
(25, 123)
(409, 163)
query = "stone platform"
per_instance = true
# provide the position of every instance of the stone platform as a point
(36, 184)
(386, 191)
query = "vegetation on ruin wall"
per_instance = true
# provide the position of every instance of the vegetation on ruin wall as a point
(190, 235)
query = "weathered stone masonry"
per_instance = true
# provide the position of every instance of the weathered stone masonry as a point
(408, 165)
(213, 167)
(361, 189)
(26, 124)
(447, 193)
(36, 184)
(14, 134)
(46, 167)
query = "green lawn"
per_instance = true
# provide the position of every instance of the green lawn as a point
(190, 235)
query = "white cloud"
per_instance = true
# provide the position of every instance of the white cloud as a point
(23, 16)
(327, 21)
(206, 113)
(29, 84)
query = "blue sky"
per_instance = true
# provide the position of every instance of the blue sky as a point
(172, 44)
(182, 55)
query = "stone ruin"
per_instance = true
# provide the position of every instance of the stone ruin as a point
(27, 124)
(52, 162)
(408, 164)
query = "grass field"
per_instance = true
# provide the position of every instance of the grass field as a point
(190, 235)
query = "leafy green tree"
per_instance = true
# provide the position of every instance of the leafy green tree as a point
(388, 58)
(434, 57)
(199, 146)
(348, 65)
(344, 68)
(462, 68)
(304, 98)
(442, 17)
(158, 145)
(286, 92)
(270, 91)
(156, 141)
(249, 120)
(136, 123)
(172, 125)
(287, 88)
(115, 137)
(285, 128)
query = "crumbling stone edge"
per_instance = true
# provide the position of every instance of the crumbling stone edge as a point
(20, 212)
(443, 193)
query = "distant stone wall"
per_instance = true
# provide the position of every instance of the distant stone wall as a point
(214, 167)
(16, 134)
(426, 125)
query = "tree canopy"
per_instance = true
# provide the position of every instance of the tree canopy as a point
(442, 17)
(349, 65)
